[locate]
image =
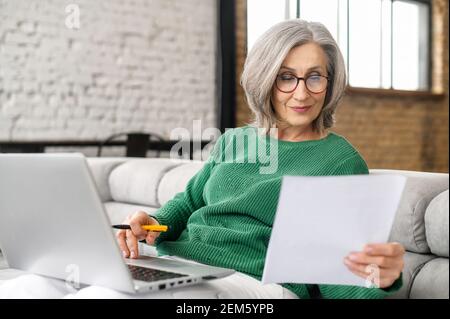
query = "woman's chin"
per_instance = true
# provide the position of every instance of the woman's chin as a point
(299, 124)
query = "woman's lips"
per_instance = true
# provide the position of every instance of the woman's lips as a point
(300, 109)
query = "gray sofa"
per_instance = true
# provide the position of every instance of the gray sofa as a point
(421, 224)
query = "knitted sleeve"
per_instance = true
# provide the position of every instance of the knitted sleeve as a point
(177, 211)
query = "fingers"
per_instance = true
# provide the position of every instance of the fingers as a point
(376, 280)
(380, 261)
(121, 239)
(151, 237)
(128, 239)
(139, 219)
(368, 268)
(384, 277)
(136, 228)
(132, 244)
(373, 279)
(389, 249)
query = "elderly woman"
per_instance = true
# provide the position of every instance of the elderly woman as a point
(294, 78)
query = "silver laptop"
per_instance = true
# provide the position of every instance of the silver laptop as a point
(53, 223)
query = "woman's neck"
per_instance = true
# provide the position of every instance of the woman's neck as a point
(296, 134)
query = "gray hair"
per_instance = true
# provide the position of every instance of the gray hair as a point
(264, 61)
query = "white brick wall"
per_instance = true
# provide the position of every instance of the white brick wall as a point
(133, 65)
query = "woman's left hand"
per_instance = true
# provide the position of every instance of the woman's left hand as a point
(385, 261)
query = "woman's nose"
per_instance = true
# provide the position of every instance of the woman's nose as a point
(301, 92)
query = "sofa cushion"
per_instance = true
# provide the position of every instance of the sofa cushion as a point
(409, 223)
(431, 282)
(436, 225)
(175, 180)
(117, 212)
(137, 180)
(413, 263)
(101, 168)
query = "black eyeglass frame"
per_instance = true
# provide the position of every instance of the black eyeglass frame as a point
(304, 79)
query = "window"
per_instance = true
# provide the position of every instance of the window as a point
(385, 43)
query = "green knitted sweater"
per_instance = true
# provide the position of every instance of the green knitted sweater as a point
(224, 217)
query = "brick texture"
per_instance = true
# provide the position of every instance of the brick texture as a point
(407, 132)
(140, 65)
(243, 114)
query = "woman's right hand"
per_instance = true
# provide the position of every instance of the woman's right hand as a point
(128, 238)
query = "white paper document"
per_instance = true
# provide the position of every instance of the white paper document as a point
(320, 220)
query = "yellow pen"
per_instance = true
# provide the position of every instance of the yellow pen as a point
(157, 228)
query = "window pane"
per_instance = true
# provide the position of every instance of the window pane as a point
(342, 37)
(385, 43)
(292, 7)
(261, 15)
(365, 43)
(410, 51)
(386, 48)
(324, 11)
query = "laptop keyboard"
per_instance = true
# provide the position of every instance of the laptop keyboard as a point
(148, 274)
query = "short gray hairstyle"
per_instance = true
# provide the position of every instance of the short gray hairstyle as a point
(264, 61)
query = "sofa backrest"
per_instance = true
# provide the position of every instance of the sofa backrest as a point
(141, 181)
(154, 181)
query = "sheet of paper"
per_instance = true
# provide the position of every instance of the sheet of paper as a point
(320, 220)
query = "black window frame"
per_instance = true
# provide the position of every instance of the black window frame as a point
(226, 64)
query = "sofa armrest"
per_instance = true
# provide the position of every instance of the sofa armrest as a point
(409, 223)
(436, 225)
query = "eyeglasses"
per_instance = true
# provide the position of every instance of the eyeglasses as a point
(315, 83)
